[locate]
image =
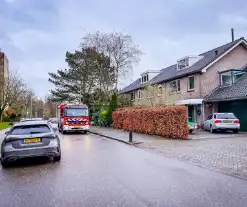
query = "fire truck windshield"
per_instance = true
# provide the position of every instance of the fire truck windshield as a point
(76, 112)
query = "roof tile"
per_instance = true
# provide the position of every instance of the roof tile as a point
(171, 72)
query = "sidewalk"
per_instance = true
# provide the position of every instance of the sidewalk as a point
(123, 136)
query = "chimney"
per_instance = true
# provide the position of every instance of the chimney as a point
(232, 31)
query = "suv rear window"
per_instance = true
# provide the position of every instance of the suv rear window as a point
(226, 116)
(30, 129)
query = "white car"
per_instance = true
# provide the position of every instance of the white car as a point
(222, 121)
(53, 122)
(31, 119)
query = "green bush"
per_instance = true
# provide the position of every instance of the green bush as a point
(104, 114)
(112, 107)
(6, 118)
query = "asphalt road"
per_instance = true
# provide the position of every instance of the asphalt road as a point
(98, 172)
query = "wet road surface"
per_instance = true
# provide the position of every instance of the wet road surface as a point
(98, 172)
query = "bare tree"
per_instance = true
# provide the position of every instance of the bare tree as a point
(50, 108)
(119, 47)
(12, 93)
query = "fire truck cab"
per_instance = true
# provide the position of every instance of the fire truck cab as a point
(73, 117)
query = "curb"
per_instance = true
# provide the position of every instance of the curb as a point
(118, 140)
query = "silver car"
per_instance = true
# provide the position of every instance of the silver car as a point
(222, 121)
(54, 123)
(31, 119)
(30, 139)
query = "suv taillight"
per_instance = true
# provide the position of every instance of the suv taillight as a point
(217, 121)
(236, 122)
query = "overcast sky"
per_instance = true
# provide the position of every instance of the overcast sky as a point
(35, 34)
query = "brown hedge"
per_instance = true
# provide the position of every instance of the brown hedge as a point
(169, 121)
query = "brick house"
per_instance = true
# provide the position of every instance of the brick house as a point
(231, 94)
(189, 80)
(4, 72)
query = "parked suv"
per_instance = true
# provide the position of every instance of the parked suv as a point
(222, 121)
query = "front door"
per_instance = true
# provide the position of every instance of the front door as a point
(191, 113)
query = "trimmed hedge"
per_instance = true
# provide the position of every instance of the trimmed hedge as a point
(168, 122)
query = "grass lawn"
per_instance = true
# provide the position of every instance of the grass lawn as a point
(4, 125)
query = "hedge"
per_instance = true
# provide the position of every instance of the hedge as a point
(168, 122)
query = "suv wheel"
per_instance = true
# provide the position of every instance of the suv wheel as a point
(235, 131)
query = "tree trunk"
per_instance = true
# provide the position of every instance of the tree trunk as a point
(1, 115)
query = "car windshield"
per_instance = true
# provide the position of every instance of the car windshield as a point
(226, 116)
(53, 121)
(33, 119)
(30, 129)
(77, 112)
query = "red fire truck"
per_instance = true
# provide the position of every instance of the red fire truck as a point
(73, 117)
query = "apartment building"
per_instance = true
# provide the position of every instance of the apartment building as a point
(4, 72)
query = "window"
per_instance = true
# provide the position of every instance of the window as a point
(209, 117)
(236, 75)
(77, 112)
(160, 90)
(144, 78)
(191, 83)
(183, 63)
(132, 96)
(230, 77)
(30, 129)
(226, 78)
(140, 94)
(53, 121)
(226, 116)
(174, 86)
(178, 85)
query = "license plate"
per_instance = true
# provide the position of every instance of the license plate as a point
(227, 121)
(33, 140)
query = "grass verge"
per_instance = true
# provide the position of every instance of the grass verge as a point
(4, 125)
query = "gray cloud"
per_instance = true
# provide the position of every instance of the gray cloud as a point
(36, 34)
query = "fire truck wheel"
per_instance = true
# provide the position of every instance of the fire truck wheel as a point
(64, 132)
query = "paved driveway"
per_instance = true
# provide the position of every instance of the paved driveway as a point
(225, 154)
(200, 134)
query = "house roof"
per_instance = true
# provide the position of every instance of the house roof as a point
(171, 72)
(238, 90)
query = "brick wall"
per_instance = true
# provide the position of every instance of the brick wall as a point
(235, 59)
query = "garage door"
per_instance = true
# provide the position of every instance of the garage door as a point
(239, 108)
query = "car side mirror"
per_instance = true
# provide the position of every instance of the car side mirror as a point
(7, 132)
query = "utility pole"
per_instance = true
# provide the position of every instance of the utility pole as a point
(26, 107)
(31, 106)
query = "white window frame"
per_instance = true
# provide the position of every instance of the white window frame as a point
(188, 83)
(146, 77)
(140, 94)
(158, 92)
(186, 64)
(133, 94)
